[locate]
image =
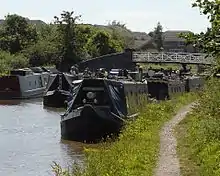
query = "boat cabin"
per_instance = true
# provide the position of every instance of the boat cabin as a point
(116, 95)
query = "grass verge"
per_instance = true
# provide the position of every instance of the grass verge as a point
(198, 135)
(136, 150)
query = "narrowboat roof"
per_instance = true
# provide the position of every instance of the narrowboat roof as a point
(21, 72)
(38, 69)
(120, 81)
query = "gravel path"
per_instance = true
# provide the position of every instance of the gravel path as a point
(168, 163)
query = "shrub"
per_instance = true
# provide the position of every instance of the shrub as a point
(11, 61)
(199, 146)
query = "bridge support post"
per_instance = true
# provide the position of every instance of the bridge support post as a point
(200, 68)
(184, 66)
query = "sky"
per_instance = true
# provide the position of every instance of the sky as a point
(139, 15)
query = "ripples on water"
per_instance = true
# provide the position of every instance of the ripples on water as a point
(30, 140)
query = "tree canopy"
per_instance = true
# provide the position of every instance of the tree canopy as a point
(208, 41)
(63, 43)
(157, 36)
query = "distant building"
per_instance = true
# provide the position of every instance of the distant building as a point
(173, 43)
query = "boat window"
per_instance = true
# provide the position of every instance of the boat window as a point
(45, 80)
(29, 83)
(40, 82)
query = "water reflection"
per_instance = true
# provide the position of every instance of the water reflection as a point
(10, 102)
(30, 140)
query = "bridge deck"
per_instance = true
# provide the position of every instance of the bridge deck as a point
(170, 57)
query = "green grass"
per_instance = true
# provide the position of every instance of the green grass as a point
(167, 66)
(199, 135)
(136, 150)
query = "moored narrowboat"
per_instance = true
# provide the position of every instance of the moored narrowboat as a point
(99, 109)
(59, 90)
(162, 87)
(23, 84)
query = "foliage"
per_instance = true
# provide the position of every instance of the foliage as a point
(122, 32)
(9, 61)
(134, 153)
(16, 34)
(117, 23)
(45, 51)
(62, 44)
(157, 36)
(67, 38)
(208, 41)
(42, 53)
(102, 43)
(199, 147)
(199, 144)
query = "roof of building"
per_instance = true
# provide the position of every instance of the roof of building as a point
(172, 35)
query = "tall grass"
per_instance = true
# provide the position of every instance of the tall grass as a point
(199, 135)
(136, 150)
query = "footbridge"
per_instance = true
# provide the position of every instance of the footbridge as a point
(170, 57)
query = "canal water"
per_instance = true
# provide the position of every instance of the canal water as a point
(30, 140)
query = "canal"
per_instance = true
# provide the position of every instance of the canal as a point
(30, 140)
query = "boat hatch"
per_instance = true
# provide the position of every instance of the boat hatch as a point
(92, 93)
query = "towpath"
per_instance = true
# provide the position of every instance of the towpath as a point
(168, 163)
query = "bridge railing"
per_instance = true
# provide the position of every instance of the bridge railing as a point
(170, 57)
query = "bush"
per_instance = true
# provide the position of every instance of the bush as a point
(135, 152)
(11, 61)
(42, 53)
(199, 135)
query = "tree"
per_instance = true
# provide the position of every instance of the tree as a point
(67, 39)
(101, 43)
(117, 23)
(16, 34)
(157, 36)
(84, 33)
(208, 41)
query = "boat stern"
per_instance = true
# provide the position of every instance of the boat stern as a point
(9, 87)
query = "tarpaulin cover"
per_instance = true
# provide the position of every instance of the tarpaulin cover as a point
(117, 96)
(53, 82)
(75, 91)
(113, 90)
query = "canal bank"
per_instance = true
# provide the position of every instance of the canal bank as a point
(136, 151)
(30, 140)
(198, 135)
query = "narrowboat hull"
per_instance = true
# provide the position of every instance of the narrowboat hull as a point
(10, 95)
(20, 87)
(90, 125)
(56, 98)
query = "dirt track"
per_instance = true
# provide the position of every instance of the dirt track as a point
(168, 163)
